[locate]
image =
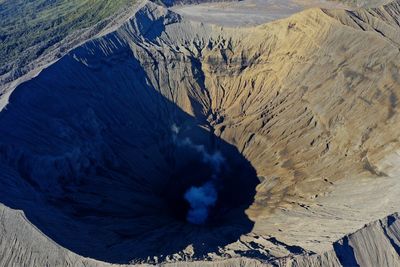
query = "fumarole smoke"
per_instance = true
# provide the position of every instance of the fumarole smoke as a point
(201, 198)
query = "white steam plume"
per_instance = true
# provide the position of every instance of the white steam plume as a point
(202, 198)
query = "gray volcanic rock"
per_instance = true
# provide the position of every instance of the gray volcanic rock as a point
(98, 150)
(376, 244)
(31, 248)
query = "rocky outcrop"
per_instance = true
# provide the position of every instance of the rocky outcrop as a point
(376, 244)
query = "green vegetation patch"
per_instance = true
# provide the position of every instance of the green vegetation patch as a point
(38, 24)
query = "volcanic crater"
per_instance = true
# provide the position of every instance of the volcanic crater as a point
(172, 140)
(102, 170)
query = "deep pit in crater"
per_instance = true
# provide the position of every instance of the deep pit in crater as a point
(205, 187)
(90, 155)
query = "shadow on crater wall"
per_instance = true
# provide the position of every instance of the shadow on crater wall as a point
(86, 152)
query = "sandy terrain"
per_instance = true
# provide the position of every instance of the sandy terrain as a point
(304, 110)
(248, 12)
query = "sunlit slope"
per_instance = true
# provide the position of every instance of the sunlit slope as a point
(309, 104)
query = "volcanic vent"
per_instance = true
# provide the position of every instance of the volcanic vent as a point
(110, 168)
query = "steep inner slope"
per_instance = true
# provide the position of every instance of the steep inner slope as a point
(90, 149)
(99, 165)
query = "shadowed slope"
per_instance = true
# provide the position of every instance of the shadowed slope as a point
(94, 165)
